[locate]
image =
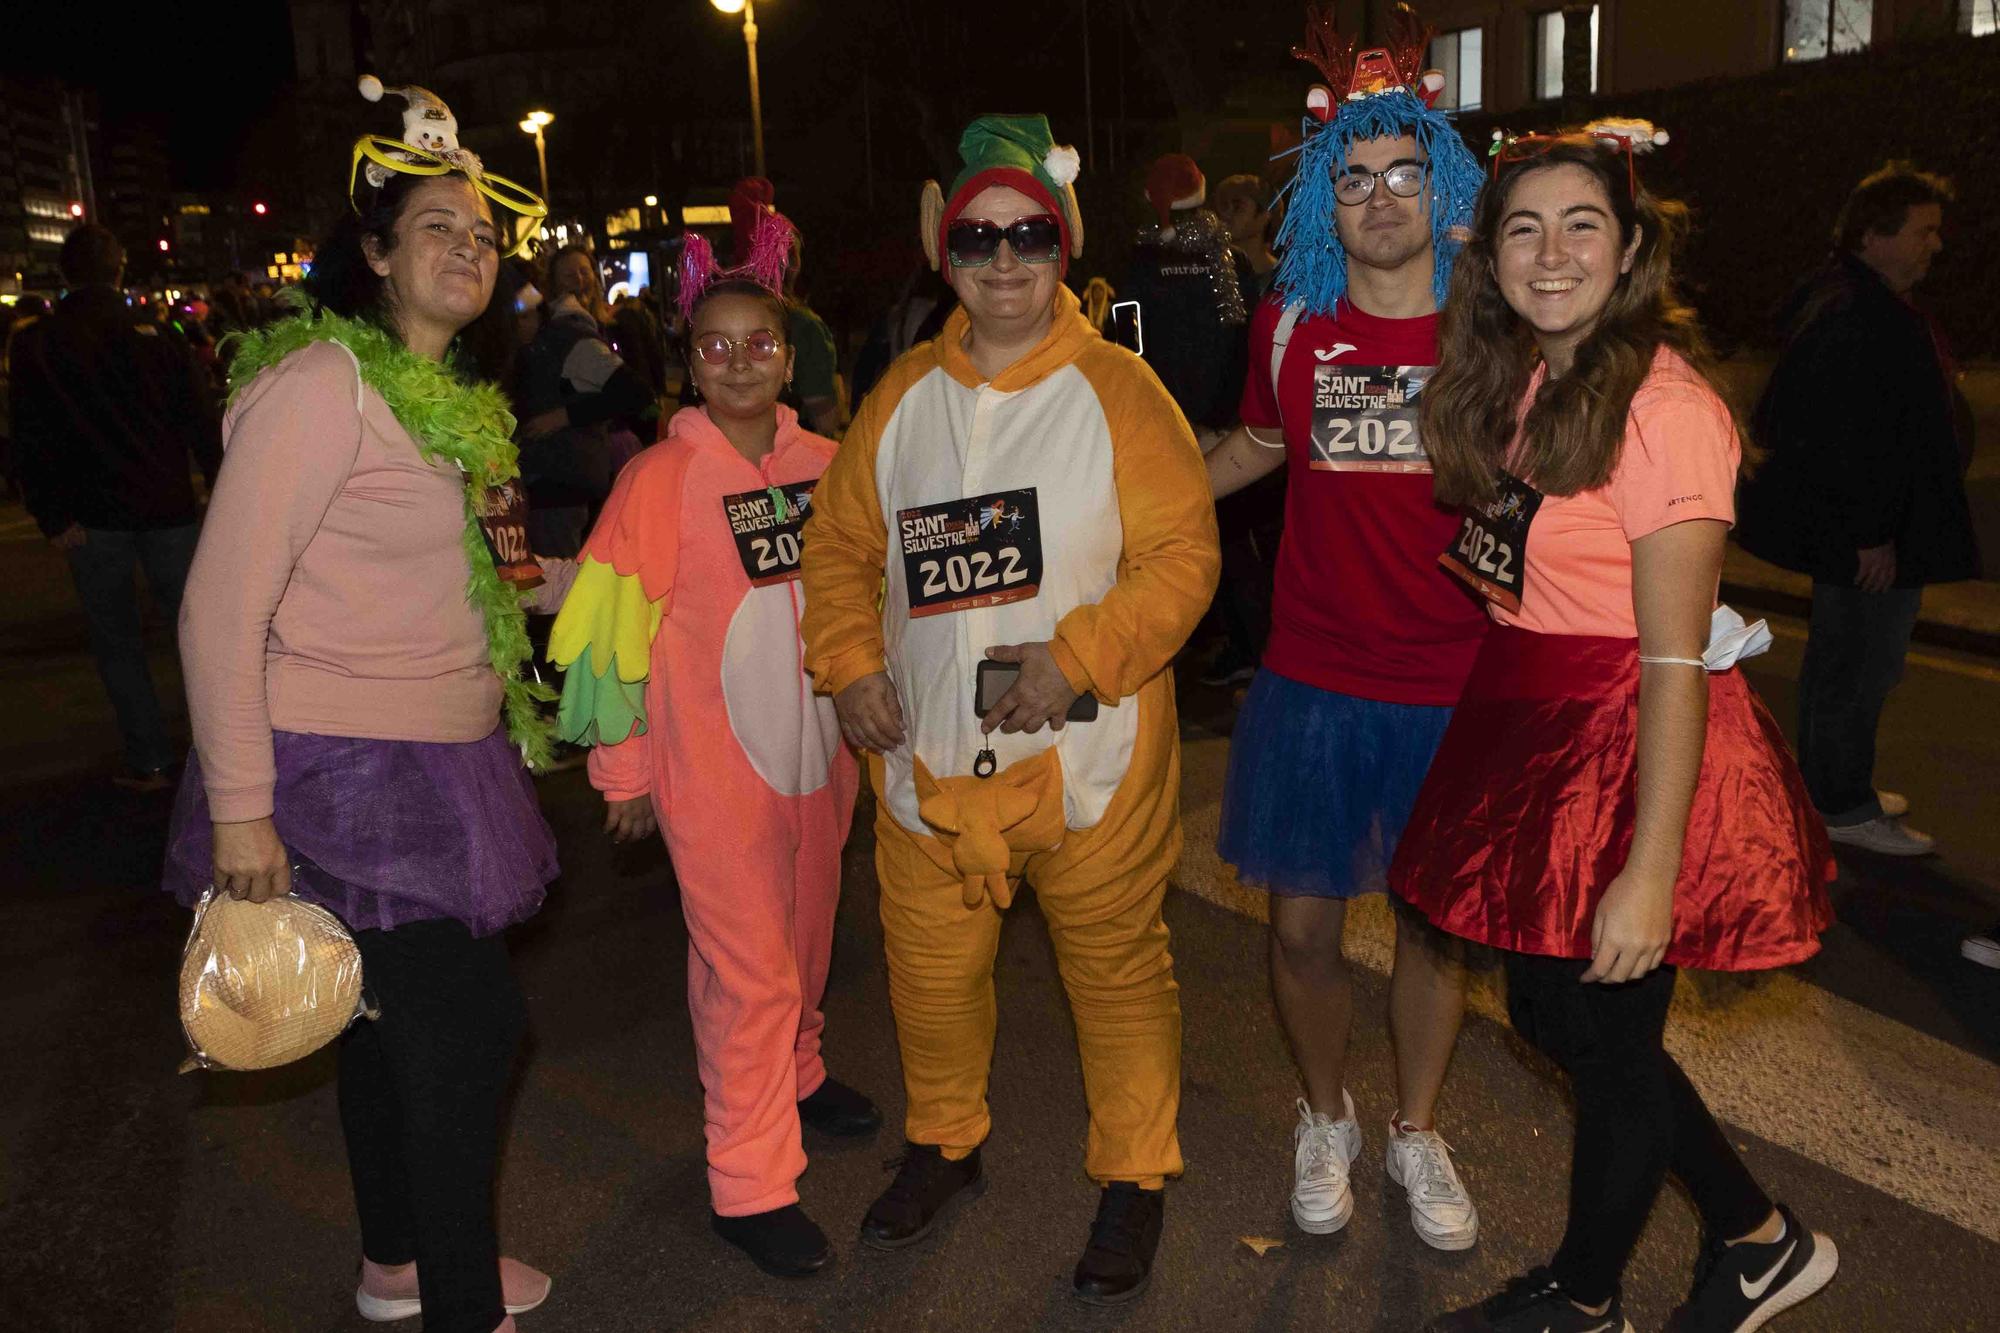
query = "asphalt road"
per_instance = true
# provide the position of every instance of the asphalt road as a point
(1863, 1088)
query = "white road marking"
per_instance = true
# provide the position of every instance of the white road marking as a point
(1957, 666)
(1874, 1099)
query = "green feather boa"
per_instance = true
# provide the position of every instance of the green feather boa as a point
(467, 424)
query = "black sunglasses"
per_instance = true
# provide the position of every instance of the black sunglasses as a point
(973, 243)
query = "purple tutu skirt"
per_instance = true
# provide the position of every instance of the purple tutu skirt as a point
(385, 833)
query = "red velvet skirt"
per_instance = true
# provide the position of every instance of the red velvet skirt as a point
(1526, 815)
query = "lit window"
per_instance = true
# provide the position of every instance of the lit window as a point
(1460, 57)
(1549, 54)
(1979, 18)
(1816, 29)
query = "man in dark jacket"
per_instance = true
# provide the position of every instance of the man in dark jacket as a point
(108, 408)
(1864, 489)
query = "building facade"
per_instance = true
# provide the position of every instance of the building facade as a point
(1502, 55)
(48, 143)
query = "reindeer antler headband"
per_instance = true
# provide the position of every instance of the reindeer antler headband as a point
(1373, 93)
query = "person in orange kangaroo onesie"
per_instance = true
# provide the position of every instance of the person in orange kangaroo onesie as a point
(1019, 493)
(685, 669)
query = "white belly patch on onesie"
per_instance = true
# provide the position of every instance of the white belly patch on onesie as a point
(788, 734)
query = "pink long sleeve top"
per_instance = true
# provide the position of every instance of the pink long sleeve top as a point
(328, 593)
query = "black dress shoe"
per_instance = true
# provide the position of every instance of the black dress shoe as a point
(834, 1108)
(1118, 1261)
(784, 1242)
(925, 1182)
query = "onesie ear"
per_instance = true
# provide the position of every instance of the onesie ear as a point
(929, 212)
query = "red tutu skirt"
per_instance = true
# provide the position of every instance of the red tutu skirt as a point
(1526, 815)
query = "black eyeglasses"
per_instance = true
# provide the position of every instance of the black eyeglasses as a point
(973, 243)
(1356, 186)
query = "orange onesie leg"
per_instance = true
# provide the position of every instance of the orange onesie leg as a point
(1101, 893)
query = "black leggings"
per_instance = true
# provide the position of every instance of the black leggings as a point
(1637, 1117)
(420, 1098)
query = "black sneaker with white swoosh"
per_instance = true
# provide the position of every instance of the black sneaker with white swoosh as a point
(1532, 1303)
(1738, 1288)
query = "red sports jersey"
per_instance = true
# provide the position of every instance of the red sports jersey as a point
(1360, 604)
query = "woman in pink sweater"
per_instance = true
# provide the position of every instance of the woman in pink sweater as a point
(349, 651)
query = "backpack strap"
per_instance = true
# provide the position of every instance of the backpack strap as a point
(1281, 338)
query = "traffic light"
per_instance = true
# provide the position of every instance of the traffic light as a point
(259, 209)
(163, 245)
(75, 209)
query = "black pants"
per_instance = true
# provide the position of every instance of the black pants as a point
(102, 568)
(1637, 1117)
(1855, 647)
(1252, 523)
(420, 1099)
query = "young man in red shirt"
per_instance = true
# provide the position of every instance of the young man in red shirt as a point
(1371, 640)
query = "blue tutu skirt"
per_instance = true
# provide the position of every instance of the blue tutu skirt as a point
(1320, 785)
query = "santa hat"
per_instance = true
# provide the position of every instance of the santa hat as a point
(1019, 152)
(1175, 181)
(749, 198)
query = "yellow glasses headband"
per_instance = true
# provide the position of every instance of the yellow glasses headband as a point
(384, 151)
(396, 155)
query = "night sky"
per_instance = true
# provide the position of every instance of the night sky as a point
(205, 73)
(200, 72)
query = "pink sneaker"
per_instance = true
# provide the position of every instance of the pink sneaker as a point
(387, 1293)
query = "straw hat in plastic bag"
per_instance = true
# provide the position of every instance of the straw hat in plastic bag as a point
(264, 984)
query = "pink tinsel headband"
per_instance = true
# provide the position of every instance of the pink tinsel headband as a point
(770, 255)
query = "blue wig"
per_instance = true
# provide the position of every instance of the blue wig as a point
(1313, 269)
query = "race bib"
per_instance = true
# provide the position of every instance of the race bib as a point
(981, 551)
(1490, 552)
(1364, 419)
(503, 520)
(766, 526)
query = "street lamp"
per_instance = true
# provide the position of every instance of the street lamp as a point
(534, 124)
(748, 8)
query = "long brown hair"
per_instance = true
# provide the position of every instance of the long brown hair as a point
(1575, 429)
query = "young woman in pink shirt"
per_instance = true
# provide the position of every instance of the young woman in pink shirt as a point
(353, 663)
(1610, 801)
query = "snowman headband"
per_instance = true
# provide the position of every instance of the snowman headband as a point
(430, 147)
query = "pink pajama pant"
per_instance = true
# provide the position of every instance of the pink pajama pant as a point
(759, 895)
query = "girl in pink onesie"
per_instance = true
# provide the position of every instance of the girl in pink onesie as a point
(685, 671)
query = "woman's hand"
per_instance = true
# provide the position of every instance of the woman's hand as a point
(1633, 925)
(251, 861)
(630, 821)
(870, 715)
(1041, 693)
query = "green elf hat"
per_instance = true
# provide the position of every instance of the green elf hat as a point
(1016, 151)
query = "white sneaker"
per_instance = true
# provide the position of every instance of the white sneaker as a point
(1440, 1209)
(1983, 948)
(1894, 804)
(1322, 1150)
(1885, 836)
